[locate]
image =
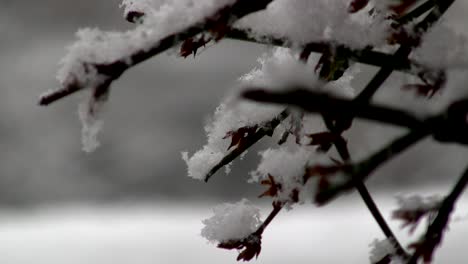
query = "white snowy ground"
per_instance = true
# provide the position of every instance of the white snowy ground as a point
(169, 233)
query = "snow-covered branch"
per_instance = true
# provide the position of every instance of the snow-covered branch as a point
(99, 58)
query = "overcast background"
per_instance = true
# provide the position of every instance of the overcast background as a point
(156, 110)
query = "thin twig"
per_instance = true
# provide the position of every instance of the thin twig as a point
(319, 102)
(435, 231)
(415, 13)
(276, 209)
(363, 169)
(440, 7)
(265, 129)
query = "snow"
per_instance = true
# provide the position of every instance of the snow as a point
(278, 70)
(287, 167)
(380, 249)
(418, 202)
(442, 47)
(95, 46)
(331, 20)
(148, 233)
(304, 21)
(231, 222)
(201, 162)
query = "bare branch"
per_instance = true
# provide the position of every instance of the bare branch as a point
(319, 102)
(363, 169)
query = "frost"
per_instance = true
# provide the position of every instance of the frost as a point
(231, 222)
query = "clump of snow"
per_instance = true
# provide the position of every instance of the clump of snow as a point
(281, 69)
(231, 222)
(418, 202)
(442, 47)
(202, 161)
(455, 88)
(228, 117)
(278, 70)
(95, 46)
(304, 21)
(287, 166)
(380, 249)
(233, 114)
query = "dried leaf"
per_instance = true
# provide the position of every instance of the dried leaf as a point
(251, 247)
(425, 248)
(433, 83)
(191, 45)
(134, 16)
(412, 218)
(325, 139)
(273, 189)
(240, 136)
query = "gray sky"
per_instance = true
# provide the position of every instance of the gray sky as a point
(156, 110)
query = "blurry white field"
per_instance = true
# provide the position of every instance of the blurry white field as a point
(145, 234)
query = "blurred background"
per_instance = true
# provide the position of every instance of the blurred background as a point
(131, 201)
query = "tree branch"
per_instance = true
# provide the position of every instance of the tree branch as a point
(114, 70)
(265, 129)
(415, 13)
(363, 169)
(365, 56)
(405, 49)
(318, 102)
(435, 231)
